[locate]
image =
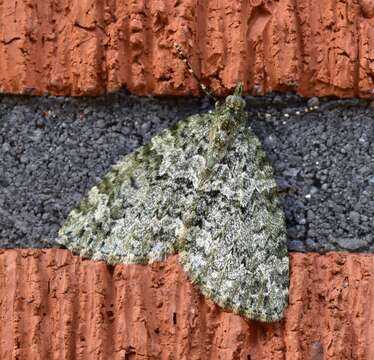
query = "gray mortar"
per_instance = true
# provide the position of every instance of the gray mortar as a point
(53, 150)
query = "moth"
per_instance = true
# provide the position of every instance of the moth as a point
(203, 189)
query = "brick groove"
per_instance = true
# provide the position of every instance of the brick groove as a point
(90, 47)
(57, 306)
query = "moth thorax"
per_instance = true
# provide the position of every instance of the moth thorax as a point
(235, 102)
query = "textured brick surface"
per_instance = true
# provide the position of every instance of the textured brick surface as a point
(56, 306)
(91, 46)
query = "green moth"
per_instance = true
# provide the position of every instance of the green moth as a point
(205, 190)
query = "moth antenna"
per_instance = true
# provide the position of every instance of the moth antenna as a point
(183, 57)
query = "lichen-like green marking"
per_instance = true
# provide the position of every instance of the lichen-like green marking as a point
(203, 189)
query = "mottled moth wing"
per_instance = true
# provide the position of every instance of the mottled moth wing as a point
(135, 213)
(236, 246)
(203, 189)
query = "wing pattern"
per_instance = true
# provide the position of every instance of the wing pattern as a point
(134, 214)
(236, 247)
(224, 220)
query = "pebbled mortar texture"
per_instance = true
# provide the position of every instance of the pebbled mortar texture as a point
(53, 150)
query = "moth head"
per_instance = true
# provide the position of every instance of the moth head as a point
(235, 101)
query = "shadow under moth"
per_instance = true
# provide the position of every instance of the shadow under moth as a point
(205, 190)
